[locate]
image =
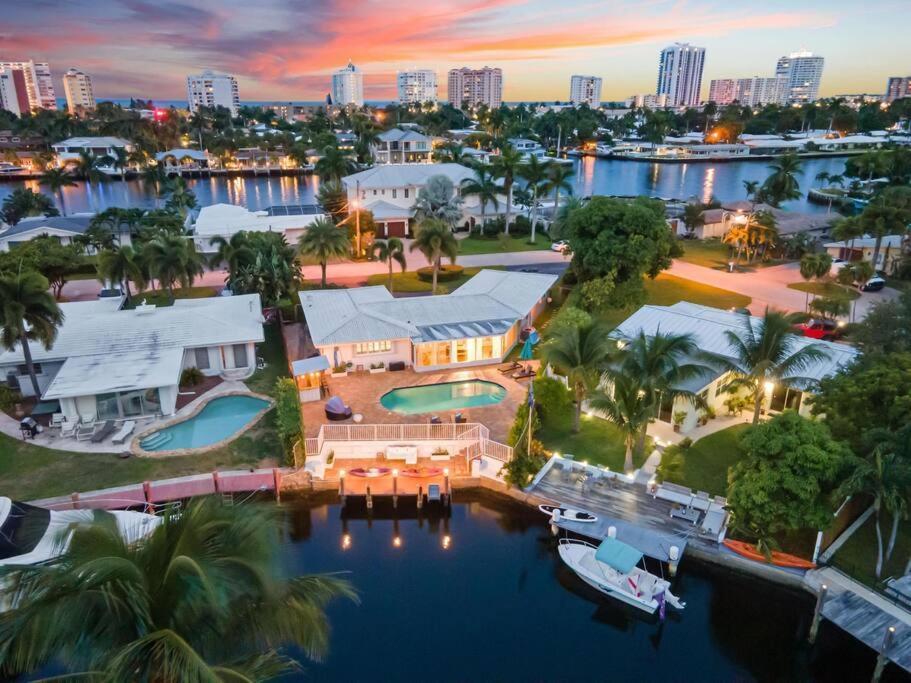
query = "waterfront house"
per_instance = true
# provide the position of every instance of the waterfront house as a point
(224, 220)
(182, 159)
(63, 228)
(892, 250)
(708, 327)
(719, 221)
(109, 363)
(528, 148)
(398, 146)
(68, 151)
(477, 324)
(389, 191)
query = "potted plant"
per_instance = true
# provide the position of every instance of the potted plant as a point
(679, 417)
(710, 413)
(439, 454)
(340, 371)
(702, 418)
(377, 368)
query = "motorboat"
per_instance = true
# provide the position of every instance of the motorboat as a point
(613, 568)
(31, 535)
(557, 513)
(370, 472)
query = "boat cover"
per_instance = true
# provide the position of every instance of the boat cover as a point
(618, 555)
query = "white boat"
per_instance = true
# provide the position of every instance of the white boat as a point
(567, 514)
(32, 535)
(612, 568)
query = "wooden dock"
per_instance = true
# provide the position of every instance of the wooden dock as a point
(437, 487)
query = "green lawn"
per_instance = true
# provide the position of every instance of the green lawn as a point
(159, 297)
(712, 253)
(827, 289)
(494, 245)
(409, 281)
(599, 442)
(857, 556)
(704, 465)
(273, 352)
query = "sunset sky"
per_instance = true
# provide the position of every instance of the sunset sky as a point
(286, 49)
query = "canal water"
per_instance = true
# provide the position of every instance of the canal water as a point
(702, 181)
(482, 596)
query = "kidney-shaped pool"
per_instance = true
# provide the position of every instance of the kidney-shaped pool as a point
(219, 419)
(470, 393)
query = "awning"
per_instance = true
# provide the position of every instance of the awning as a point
(618, 555)
(307, 365)
(466, 330)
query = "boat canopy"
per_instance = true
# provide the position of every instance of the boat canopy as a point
(618, 555)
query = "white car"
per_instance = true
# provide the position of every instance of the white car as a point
(561, 246)
(32, 535)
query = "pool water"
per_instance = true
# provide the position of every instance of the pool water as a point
(481, 595)
(471, 393)
(219, 419)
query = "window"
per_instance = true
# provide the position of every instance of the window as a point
(384, 346)
(23, 369)
(785, 398)
(240, 356)
(406, 193)
(374, 193)
(393, 193)
(202, 358)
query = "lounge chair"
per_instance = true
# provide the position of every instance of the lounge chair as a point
(68, 428)
(512, 367)
(524, 373)
(336, 410)
(435, 420)
(108, 428)
(459, 419)
(85, 430)
(123, 434)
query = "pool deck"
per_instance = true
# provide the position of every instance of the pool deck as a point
(362, 392)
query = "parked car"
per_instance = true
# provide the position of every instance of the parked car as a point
(874, 284)
(561, 245)
(837, 265)
(821, 328)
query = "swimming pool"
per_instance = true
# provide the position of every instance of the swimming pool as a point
(471, 393)
(219, 419)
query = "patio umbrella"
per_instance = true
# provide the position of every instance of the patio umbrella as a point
(527, 352)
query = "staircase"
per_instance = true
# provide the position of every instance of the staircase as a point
(155, 442)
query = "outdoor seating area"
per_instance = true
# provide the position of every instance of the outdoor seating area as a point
(693, 506)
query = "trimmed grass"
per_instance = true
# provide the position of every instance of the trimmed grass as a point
(599, 442)
(704, 465)
(857, 557)
(494, 245)
(272, 351)
(713, 253)
(827, 289)
(410, 283)
(28, 472)
(159, 297)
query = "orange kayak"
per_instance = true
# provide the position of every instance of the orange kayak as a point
(749, 551)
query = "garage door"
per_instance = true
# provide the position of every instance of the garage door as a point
(396, 228)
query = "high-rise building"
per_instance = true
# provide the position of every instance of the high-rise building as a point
(897, 88)
(475, 86)
(210, 89)
(13, 92)
(348, 86)
(78, 88)
(647, 101)
(803, 71)
(758, 91)
(39, 87)
(585, 90)
(680, 74)
(417, 86)
(722, 91)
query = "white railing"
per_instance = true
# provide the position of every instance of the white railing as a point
(497, 451)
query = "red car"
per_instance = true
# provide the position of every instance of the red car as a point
(819, 328)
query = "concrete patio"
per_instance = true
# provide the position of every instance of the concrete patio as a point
(362, 392)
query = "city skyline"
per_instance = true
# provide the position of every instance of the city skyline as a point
(136, 48)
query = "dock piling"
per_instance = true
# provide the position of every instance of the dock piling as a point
(369, 499)
(447, 489)
(341, 486)
(817, 613)
(395, 488)
(420, 501)
(882, 658)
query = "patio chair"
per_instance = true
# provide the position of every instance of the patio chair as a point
(435, 420)
(336, 410)
(106, 430)
(459, 419)
(512, 367)
(57, 420)
(125, 430)
(85, 430)
(68, 428)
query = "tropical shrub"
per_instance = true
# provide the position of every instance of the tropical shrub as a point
(447, 273)
(190, 377)
(288, 416)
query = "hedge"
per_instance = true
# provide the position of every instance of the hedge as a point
(446, 273)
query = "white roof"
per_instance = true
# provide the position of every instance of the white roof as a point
(397, 134)
(867, 242)
(227, 219)
(404, 175)
(487, 304)
(383, 210)
(181, 152)
(103, 346)
(103, 141)
(708, 326)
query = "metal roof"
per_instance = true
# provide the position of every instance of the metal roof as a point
(308, 365)
(294, 210)
(75, 225)
(403, 175)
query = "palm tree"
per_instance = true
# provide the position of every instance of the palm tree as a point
(561, 220)
(334, 199)
(56, 179)
(323, 240)
(580, 354)
(823, 177)
(507, 165)
(390, 251)
(234, 252)
(751, 187)
(334, 164)
(693, 217)
(450, 153)
(180, 198)
(886, 478)
(813, 267)
(172, 259)
(782, 185)
(737, 238)
(434, 239)
(438, 199)
(485, 188)
(764, 352)
(121, 265)
(152, 179)
(28, 312)
(534, 173)
(25, 202)
(202, 598)
(625, 405)
(558, 181)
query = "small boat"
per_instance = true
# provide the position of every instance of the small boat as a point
(421, 472)
(749, 551)
(370, 472)
(612, 568)
(567, 514)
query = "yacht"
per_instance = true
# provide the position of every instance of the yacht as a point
(613, 569)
